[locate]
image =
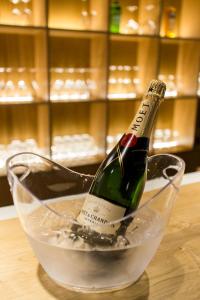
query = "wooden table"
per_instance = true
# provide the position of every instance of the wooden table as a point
(174, 272)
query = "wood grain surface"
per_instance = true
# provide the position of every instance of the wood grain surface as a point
(174, 273)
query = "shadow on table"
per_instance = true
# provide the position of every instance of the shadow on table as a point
(137, 291)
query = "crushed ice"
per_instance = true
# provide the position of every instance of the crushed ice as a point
(144, 226)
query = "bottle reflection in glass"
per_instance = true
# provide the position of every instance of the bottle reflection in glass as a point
(170, 22)
(85, 14)
(115, 14)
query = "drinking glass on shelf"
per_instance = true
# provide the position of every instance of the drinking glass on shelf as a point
(35, 86)
(85, 14)
(2, 82)
(112, 81)
(170, 80)
(167, 133)
(81, 83)
(69, 86)
(9, 90)
(24, 89)
(128, 86)
(57, 88)
(73, 149)
(172, 87)
(198, 89)
(21, 9)
(120, 86)
(136, 79)
(149, 23)
(158, 135)
(132, 25)
(91, 84)
(2, 86)
(16, 12)
(27, 10)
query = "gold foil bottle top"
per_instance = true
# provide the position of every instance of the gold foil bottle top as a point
(157, 87)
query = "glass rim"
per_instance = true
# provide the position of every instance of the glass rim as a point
(72, 220)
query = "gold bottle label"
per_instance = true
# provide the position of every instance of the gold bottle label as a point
(143, 121)
(97, 212)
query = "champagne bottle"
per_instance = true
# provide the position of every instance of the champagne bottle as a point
(119, 182)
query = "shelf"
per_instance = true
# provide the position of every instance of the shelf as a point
(121, 37)
(78, 133)
(172, 149)
(21, 103)
(79, 34)
(79, 71)
(117, 100)
(180, 60)
(17, 29)
(178, 130)
(77, 101)
(23, 65)
(133, 66)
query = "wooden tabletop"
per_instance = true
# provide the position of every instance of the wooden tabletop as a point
(174, 273)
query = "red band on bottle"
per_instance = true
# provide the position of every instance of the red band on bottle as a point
(128, 140)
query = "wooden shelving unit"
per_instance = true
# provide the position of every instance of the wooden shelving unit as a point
(68, 83)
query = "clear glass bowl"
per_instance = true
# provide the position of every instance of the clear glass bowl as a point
(48, 197)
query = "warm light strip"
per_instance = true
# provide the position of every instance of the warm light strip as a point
(16, 99)
(121, 95)
(160, 145)
(66, 97)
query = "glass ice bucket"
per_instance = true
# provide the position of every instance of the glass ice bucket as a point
(48, 197)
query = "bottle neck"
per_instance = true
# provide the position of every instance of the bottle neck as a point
(143, 121)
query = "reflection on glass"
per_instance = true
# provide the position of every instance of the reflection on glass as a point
(16, 146)
(112, 140)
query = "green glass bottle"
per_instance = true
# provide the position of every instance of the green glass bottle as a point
(119, 182)
(115, 14)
